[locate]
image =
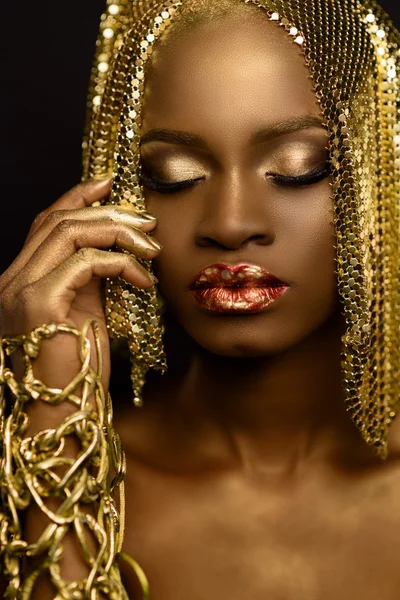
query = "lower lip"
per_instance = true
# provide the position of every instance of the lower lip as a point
(233, 300)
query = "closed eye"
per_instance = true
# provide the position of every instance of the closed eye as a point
(163, 187)
(314, 176)
(311, 177)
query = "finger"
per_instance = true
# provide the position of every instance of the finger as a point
(50, 298)
(115, 214)
(81, 196)
(70, 236)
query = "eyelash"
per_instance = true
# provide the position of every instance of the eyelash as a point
(161, 187)
(313, 176)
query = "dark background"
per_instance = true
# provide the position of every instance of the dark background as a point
(46, 55)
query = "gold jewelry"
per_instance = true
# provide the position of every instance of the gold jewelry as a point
(30, 474)
(352, 51)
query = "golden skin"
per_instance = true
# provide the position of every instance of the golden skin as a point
(236, 214)
(246, 478)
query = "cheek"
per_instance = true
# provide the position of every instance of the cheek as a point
(304, 255)
(306, 223)
(311, 243)
(175, 233)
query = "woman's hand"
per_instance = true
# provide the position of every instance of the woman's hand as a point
(57, 276)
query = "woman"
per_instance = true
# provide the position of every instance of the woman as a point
(263, 140)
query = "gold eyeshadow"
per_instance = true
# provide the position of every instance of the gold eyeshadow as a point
(287, 158)
(294, 159)
(174, 166)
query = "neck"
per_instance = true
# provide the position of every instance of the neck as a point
(283, 410)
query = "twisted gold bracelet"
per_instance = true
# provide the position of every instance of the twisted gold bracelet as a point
(34, 469)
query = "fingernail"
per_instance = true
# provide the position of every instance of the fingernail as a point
(143, 213)
(146, 217)
(153, 278)
(154, 243)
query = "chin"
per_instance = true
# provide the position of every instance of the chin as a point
(243, 351)
(243, 339)
(257, 335)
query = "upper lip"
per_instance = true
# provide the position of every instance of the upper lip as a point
(242, 275)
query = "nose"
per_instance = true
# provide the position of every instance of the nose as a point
(235, 214)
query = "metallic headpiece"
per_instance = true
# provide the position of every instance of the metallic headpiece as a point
(352, 51)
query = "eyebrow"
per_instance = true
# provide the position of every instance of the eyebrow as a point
(263, 135)
(290, 126)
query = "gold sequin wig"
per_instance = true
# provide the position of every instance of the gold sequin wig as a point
(352, 52)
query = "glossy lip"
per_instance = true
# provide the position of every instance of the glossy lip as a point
(236, 289)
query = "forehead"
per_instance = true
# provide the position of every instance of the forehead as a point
(228, 73)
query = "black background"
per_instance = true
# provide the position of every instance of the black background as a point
(46, 54)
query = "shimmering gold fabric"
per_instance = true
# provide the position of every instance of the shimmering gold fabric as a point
(352, 51)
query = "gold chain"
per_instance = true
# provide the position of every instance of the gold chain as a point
(30, 468)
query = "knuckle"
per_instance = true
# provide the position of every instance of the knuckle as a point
(39, 218)
(23, 299)
(85, 254)
(54, 217)
(64, 226)
(110, 214)
(26, 293)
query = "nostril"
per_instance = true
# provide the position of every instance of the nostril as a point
(245, 223)
(209, 242)
(234, 243)
(257, 238)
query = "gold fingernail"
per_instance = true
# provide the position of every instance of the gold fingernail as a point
(154, 243)
(146, 217)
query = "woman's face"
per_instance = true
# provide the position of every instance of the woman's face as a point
(231, 106)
